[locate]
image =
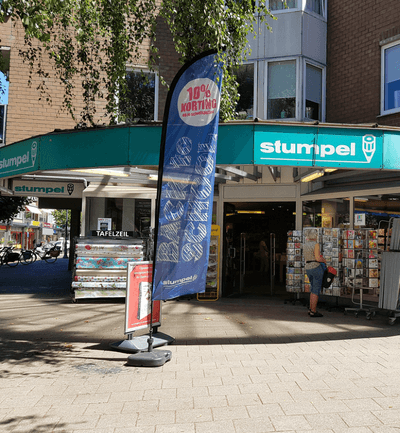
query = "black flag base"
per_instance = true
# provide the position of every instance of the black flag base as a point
(140, 344)
(155, 358)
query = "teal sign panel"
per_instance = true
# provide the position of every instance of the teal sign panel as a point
(319, 147)
(391, 150)
(103, 147)
(19, 158)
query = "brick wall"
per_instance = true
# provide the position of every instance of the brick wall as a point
(354, 59)
(168, 62)
(29, 116)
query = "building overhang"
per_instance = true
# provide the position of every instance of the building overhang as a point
(130, 154)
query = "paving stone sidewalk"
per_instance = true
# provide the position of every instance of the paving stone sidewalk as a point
(238, 365)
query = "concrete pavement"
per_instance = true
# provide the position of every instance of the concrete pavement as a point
(238, 365)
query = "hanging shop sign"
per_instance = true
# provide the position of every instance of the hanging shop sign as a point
(48, 189)
(319, 147)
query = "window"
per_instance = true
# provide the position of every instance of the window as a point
(391, 78)
(316, 6)
(139, 101)
(313, 93)
(245, 78)
(281, 90)
(277, 5)
(4, 85)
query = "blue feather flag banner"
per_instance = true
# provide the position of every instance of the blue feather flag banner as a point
(186, 179)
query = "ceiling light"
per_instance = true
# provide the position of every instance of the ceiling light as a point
(102, 172)
(329, 170)
(311, 176)
(251, 212)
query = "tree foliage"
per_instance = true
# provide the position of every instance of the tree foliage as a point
(92, 41)
(200, 25)
(60, 217)
(11, 206)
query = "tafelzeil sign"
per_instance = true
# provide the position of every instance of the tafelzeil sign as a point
(186, 180)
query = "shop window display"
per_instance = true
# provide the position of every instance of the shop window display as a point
(327, 213)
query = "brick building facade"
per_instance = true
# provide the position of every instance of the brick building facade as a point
(30, 114)
(356, 34)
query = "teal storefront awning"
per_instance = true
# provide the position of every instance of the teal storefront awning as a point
(239, 143)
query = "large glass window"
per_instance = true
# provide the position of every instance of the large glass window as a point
(245, 78)
(126, 214)
(276, 5)
(282, 90)
(334, 212)
(4, 85)
(138, 102)
(391, 77)
(316, 6)
(313, 92)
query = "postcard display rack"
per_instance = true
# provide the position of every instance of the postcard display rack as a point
(353, 254)
(100, 266)
(212, 279)
(361, 260)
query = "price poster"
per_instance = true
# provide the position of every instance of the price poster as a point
(138, 298)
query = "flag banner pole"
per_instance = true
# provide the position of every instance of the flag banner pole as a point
(187, 180)
(185, 186)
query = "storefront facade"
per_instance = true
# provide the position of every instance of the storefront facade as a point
(262, 182)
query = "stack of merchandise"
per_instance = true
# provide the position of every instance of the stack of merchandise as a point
(294, 263)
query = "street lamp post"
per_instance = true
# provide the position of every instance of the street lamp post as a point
(66, 234)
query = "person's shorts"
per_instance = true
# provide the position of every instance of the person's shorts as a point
(315, 276)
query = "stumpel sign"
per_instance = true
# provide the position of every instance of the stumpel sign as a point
(361, 149)
(22, 161)
(47, 189)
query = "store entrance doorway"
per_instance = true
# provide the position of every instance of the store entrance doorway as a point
(249, 270)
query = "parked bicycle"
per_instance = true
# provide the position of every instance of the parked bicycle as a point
(29, 256)
(50, 254)
(9, 257)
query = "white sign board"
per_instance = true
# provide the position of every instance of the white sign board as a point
(359, 219)
(104, 223)
(48, 189)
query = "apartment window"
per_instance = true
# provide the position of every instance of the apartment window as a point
(245, 78)
(391, 78)
(4, 85)
(277, 5)
(313, 97)
(316, 6)
(139, 101)
(281, 90)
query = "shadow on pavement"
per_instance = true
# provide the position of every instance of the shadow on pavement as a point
(39, 278)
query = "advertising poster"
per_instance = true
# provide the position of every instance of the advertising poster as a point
(138, 298)
(187, 158)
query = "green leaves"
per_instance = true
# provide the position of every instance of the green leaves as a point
(11, 206)
(200, 25)
(90, 43)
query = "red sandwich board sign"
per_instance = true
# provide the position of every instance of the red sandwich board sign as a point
(138, 298)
